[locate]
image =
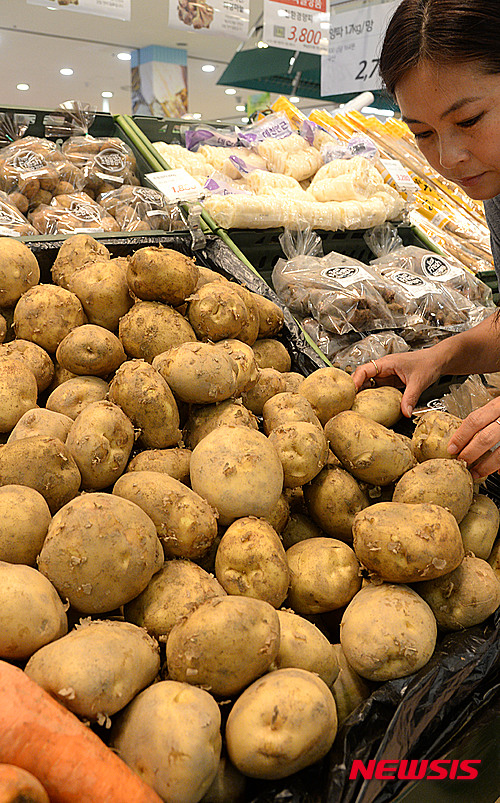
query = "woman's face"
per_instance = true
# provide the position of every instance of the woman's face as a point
(454, 112)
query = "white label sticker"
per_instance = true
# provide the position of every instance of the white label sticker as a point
(413, 284)
(347, 274)
(436, 267)
(176, 185)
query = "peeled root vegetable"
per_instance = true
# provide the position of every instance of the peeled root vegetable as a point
(19, 786)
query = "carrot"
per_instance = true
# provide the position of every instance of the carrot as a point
(19, 785)
(74, 766)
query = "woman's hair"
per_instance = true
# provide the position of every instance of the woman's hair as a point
(441, 31)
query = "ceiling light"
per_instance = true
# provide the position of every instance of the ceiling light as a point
(230, 91)
(240, 108)
(208, 68)
(196, 116)
(244, 119)
(124, 56)
(382, 112)
(66, 71)
(294, 99)
(23, 87)
(262, 44)
(106, 94)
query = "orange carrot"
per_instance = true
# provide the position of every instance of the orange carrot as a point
(74, 766)
(19, 785)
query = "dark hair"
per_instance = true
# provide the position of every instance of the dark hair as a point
(441, 31)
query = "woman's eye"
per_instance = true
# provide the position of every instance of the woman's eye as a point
(422, 135)
(470, 122)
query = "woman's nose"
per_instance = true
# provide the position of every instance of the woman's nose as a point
(452, 152)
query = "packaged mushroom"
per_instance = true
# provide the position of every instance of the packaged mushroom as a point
(106, 162)
(71, 214)
(141, 209)
(12, 222)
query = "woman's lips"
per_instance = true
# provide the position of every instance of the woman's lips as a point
(469, 181)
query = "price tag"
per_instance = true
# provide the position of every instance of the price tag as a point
(399, 174)
(176, 185)
(355, 38)
(300, 25)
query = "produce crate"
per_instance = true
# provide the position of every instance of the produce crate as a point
(168, 129)
(489, 277)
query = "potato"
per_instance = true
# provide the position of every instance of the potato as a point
(302, 449)
(185, 522)
(31, 612)
(367, 449)
(171, 594)
(174, 462)
(35, 358)
(24, 520)
(74, 253)
(332, 499)
(100, 552)
(238, 471)
(161, 274)
(251, 562)
(279, 515)
(284, 408)
(381, 404)
(44, 464)
(250, 327)
(298, 528)
(324, 575)
(293, 380)
(242, 354)
(206, 275)
(329, 391)
(464, 597)
(438, 481)
(40, 421)
(150, 328)
(61, 375)
(494, 558)
(387, 631)
(229, 413)
(228, 786)
(18, 270)
(103, 291)
(147, 400)
(90, 350)
(225, 644)
(18, 391)
(271, 317)
(96, 669)
(72, 396)
(271, 353)
(479, 527)
(269, 383)
(349, 689)
(406, 543)
(170, 735)
(217, 311)
(282, 723)
(432, 434)
(303, 646)
(46, 314)
(198, 373)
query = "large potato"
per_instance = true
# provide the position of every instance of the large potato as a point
(18, 270)
(96, 669)
(303, 646)
(438, 481)
(73, 395)
(100, 552)
(161, 274)
(198, 373)
(349, 689)
(148, 402)
(302, 449)
(271, 353)
(217, 311)
(280, 515)
(74, 253)
(44, 464)
(271, 317)
(283, 408)
(479, 527)
(150, 328)
(40, 421)
(494, 558)
(24, 520)
(405, 543)
(269, 383)
(18, 391)
(90, 350)
(282, 723)
(170, 735)
(185, 522)
(251, 562)
(329, 391)
(100, 442)
(249, 331)
(238, 471)
(46, 314)
(174, 462)
(324, 575)
(35, 358)
(432, 434)
(332, 499)
(387, 631)
(368, 450)
(242, 354)
(31, 612)
(225, 644)
(298, 528)
(202, 420)
(177, 589)
(464, 597)
(381, 404)
(103, 291)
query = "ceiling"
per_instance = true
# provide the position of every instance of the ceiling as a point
(36, 42)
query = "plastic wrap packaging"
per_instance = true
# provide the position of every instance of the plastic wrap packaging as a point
(178, 156)
(106, 162)
(12, 222)
(369, 348)
(141, 209)
(329, 343)
(291, 156)
(72, 214)
(465, 397)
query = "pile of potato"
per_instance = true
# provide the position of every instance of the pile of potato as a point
(201, 548)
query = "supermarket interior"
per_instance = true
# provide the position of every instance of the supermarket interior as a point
(249, 401)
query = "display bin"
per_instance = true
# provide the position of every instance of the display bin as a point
(489, 277)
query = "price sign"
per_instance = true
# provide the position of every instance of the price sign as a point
(176, 185)
(355, 38)
(297, 25)
(399, 175)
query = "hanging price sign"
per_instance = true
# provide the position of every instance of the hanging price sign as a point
(176, 185)
(297, 25)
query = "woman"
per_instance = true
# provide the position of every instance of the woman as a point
(441, 61)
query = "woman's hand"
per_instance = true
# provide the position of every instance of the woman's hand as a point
(477, 440)
(416, 370)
